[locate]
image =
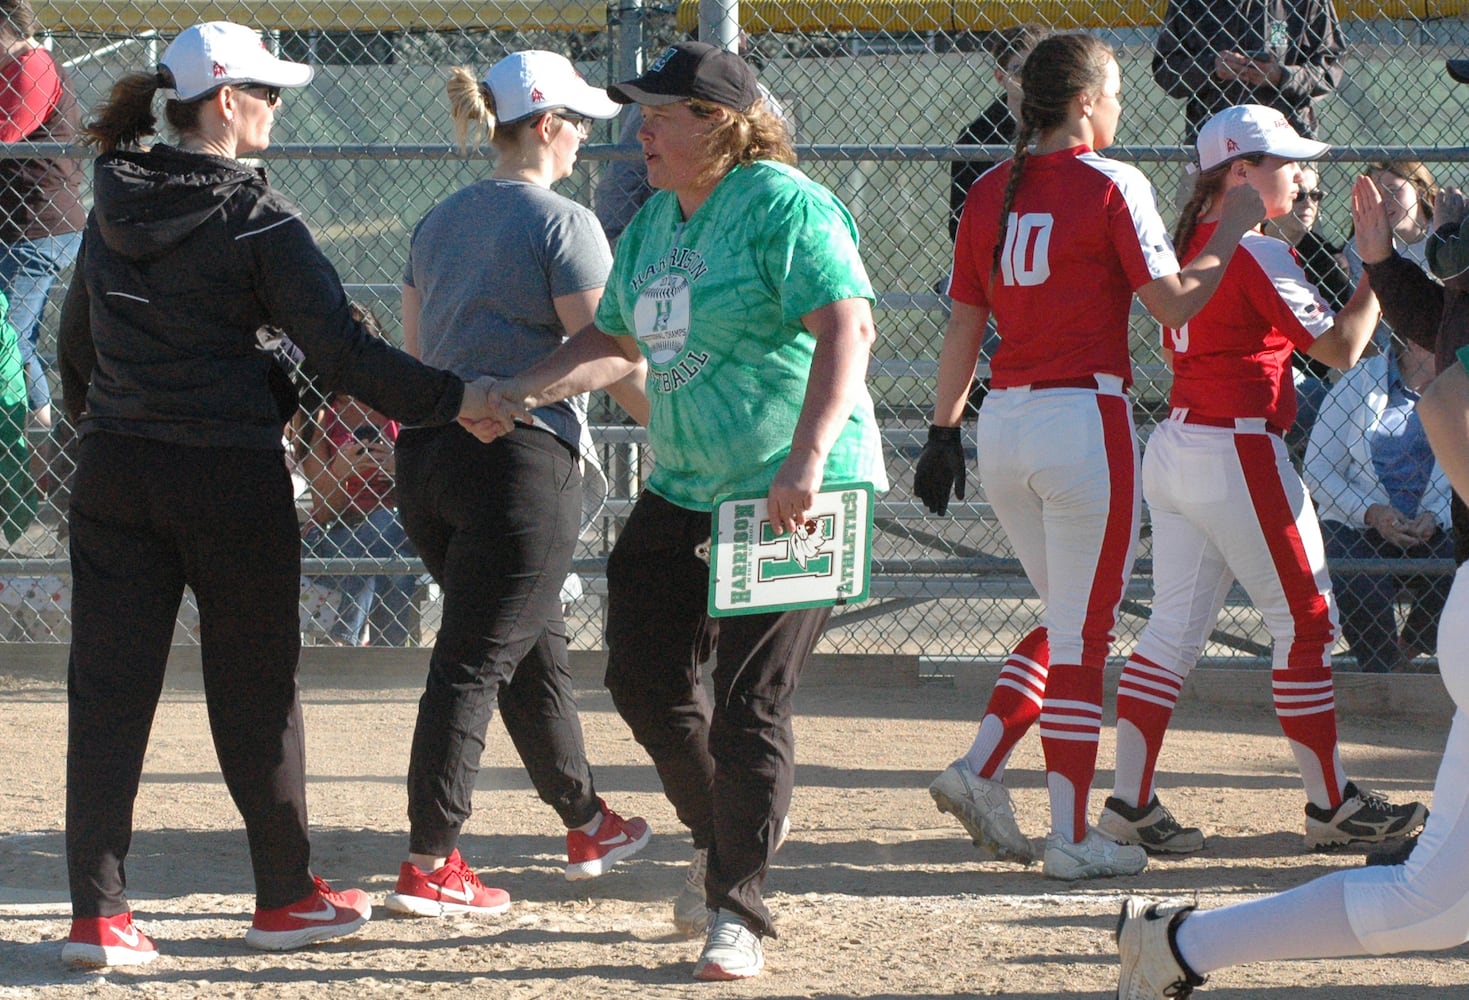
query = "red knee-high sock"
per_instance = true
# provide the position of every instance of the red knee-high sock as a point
(1071, 725)
(1146, 695)
(1014, 705)
(1305, 704)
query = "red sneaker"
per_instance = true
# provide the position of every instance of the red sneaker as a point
(450, 888)
(591, 854)
(320, 916)
(100, 941)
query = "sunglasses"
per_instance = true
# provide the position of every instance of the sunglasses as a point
(271, 95)
(582, 124)
(1314, 196)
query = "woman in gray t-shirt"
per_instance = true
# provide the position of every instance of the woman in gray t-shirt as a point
(498, 275)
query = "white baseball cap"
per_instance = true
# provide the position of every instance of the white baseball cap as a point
(1252, 128)
(208, 56)
(535, 82)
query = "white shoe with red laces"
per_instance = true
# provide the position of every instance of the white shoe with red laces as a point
(615, 839)
(323, 915)
(451, 888)
(104, 941)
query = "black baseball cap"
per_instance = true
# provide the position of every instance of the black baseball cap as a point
(1459, 69)
(692, 69)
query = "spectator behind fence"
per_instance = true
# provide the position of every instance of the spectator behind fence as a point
(1055, 243)
(995, 125)
(1380, 495)
(498, 275)
(1409, 191)
(741, 281)
(180, 479)
(1282, 54)
(1325, 268)
(1321, 258)
(41, 211)
(349, 463)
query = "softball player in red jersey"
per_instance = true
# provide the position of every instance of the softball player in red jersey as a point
(1226, 503)
(1054, 243)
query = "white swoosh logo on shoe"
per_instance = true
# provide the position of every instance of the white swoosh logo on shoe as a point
(130, 937)
(463, 895)
(621, 838)
(325, 915)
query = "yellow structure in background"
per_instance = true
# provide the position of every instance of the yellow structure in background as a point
(124, 16)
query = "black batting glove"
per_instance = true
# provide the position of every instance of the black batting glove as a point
(940, 469)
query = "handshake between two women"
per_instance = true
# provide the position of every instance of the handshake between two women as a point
(488, 412)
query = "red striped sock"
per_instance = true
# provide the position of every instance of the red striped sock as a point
(1071, 725)
(1146, 695)
(1305, 704)
(1014, 705)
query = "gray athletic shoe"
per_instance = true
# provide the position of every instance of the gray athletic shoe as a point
(1151, 827)
(1094, 857)
(1152, 969)
(690, 913)
(982, 806)
(1362, 818)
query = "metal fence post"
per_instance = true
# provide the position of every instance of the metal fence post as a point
(719, 23)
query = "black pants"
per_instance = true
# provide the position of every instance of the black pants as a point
(496, 525)
(146, 519)
(728, 768)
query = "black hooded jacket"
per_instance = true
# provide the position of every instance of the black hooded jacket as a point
(185, 257)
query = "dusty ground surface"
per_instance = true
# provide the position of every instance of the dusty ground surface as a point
(876, 893)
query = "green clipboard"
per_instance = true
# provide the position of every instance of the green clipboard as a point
(828, 561)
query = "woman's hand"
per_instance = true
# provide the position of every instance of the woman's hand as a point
(1241, 209)
(485, 412)
(1423, 527)
(793, 493)
(1369, 219)
(1391, 525)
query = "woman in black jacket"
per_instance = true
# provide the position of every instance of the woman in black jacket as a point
(180, 477)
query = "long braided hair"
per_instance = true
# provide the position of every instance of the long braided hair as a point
(1058, 69)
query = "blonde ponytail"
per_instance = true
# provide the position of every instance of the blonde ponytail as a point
(472, 108)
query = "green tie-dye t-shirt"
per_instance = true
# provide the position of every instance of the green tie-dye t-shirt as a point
(715, 303)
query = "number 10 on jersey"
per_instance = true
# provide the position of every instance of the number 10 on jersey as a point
(1026, 257)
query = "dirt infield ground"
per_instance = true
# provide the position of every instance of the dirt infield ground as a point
(876, 893)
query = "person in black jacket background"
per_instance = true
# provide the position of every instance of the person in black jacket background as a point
(1214, 54)
(995, 125)
(180, 475)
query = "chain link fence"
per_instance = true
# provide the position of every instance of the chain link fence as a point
(879, 95)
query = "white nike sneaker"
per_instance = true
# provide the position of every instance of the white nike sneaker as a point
(982, 806)
(1094, 857)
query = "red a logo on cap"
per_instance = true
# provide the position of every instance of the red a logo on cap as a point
(1230, 146)
(220, 70)
(536, 97)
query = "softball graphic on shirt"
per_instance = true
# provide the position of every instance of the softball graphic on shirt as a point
(661, 316)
